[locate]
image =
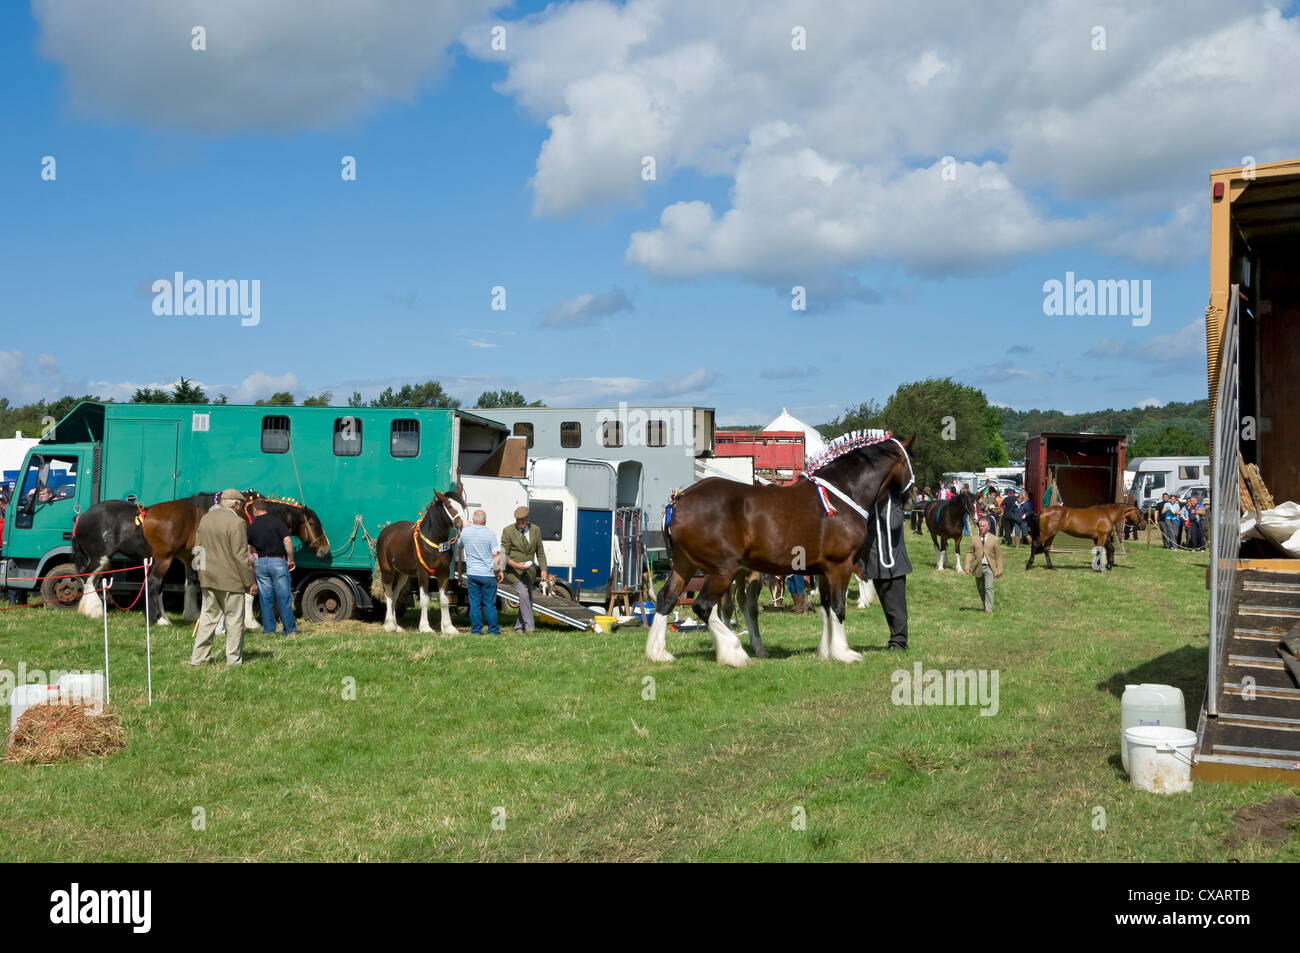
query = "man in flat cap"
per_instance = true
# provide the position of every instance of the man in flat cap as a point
(521, 548)
(225, 574)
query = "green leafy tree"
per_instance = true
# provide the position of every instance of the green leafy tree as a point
(185, 391)
(355, 400)
(953, 427)
(428, 394)
(321, 400)
(279, 399)
(504, 398)
(1169, 442)
(151, 395)
(864, 416)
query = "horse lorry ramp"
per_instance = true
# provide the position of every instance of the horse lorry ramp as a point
(1249, 727)
(556, 609)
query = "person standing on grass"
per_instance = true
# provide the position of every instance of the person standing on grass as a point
(984, 561)
(483, 569)
(522, 550)
(270, 546)
(885, 565)
(225, 573)
(1008, 507)
(1024, 510)
(1170, 521)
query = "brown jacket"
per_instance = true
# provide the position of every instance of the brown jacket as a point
(221, 552)
(517, 547)
(989, 547)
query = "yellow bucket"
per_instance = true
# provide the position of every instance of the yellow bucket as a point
(604, 623)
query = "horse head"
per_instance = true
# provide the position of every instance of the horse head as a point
(900, 478)
(1131, 510)
(307, 527)
(968, 504)
(450, 508)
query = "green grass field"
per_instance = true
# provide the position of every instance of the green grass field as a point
(552, 732)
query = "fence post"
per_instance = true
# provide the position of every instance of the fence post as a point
(148, 651)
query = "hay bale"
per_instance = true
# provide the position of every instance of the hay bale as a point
(46, 734)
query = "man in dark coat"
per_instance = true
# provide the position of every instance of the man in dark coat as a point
(884, 562)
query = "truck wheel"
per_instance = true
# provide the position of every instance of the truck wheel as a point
(61, 589)
(328, 599)
(562, 589)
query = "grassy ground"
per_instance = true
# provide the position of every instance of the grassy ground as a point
(553, 732)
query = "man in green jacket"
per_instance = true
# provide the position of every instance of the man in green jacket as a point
(521, 548)
(225, 573)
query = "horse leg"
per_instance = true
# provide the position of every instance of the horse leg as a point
(1047, 551)
(656, 648)
(444, 607)
(956, 554)
(1110, 551)
(726, 646)
(154, 582)
(91, 606)
(838, 597)
(424, 604)
(749, 607)
(824, 607)
(191, 611)
(938, 557)
(393, 583)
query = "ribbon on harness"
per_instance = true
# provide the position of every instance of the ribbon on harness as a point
(825, 501)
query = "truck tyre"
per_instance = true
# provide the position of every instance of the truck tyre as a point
(328, 599)
(61, 589)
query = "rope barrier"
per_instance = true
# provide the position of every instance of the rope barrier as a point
(81, 575)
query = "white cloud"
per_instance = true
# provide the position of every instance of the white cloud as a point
(587, 309)
(1151, 402)
(1176, 347)
(291, 64)
(832, 152)
(260, 385)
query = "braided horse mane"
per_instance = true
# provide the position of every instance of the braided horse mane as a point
(854, 440)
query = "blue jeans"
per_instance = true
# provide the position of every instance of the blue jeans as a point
(273, 590)
(795, 584)
(483, 604)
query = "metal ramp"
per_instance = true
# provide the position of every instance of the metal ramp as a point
(555, 609)
(1256, 733)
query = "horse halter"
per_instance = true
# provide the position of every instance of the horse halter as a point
(417, 537)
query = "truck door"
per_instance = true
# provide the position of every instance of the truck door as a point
(140, 458)
(43, 508)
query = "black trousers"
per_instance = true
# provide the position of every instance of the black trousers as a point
(893, 600)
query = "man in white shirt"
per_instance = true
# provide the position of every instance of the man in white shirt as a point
(483, 571)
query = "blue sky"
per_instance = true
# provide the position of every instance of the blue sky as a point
(822, 167)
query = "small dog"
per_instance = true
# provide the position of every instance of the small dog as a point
(547, 585)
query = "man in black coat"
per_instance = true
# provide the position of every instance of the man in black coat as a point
(884, 561)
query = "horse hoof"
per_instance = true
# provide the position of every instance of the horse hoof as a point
(761, 653)
(163, 620)
(661, 657)
(848, 657)
(392, 627)
(448, 633)
(740, 660)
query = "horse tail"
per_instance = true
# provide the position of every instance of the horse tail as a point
(1033, 525)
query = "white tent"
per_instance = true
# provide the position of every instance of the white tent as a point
(814, 444)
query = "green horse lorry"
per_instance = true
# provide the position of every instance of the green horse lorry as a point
(358, 468)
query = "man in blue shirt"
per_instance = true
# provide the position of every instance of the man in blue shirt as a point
(483, 569)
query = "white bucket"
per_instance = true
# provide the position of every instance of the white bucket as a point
(1160, 758)
(1148, 704)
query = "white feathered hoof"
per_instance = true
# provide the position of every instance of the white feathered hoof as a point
(163, 620)
(847, 656)
(448, 631)
(90, 606)
(655, 644)
(392, 627)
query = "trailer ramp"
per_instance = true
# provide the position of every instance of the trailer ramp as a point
(555, 609)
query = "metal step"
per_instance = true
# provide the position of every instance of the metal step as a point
(1278, 763)
(1256, 661)
(1285, 754)
(1267, 722)
(1276, 612)
(1262, 586)
(1263, 691)
(1259, 635)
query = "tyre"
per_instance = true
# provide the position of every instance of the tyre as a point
(61, 589)
(328, 599)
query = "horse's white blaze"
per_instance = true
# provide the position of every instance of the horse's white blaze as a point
(424, 610)
(725, 644)
(444, 605)
(656, 643)
(840, 651)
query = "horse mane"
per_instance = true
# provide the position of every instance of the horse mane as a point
(846, 444)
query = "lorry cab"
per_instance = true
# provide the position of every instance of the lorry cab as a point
(53, 485)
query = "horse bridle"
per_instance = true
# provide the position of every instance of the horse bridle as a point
(417, 537)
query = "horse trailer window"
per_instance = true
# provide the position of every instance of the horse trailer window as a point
(1189, 473)
(611, 433)
(347, 436)
(656, 433)
(275, 433)
(405, 437)
(570, 434)
(525, 431)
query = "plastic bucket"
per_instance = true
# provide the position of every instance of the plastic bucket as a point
(1148, 704)
(1160, 758)
(604, 623)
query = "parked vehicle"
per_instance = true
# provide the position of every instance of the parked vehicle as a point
(1155, 476)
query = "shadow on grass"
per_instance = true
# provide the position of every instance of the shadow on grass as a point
(1183, 668)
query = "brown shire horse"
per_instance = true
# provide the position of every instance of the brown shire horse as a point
(944, 519)
(166, 532)
(726, 529)
(421, 551)
(1086, 522)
